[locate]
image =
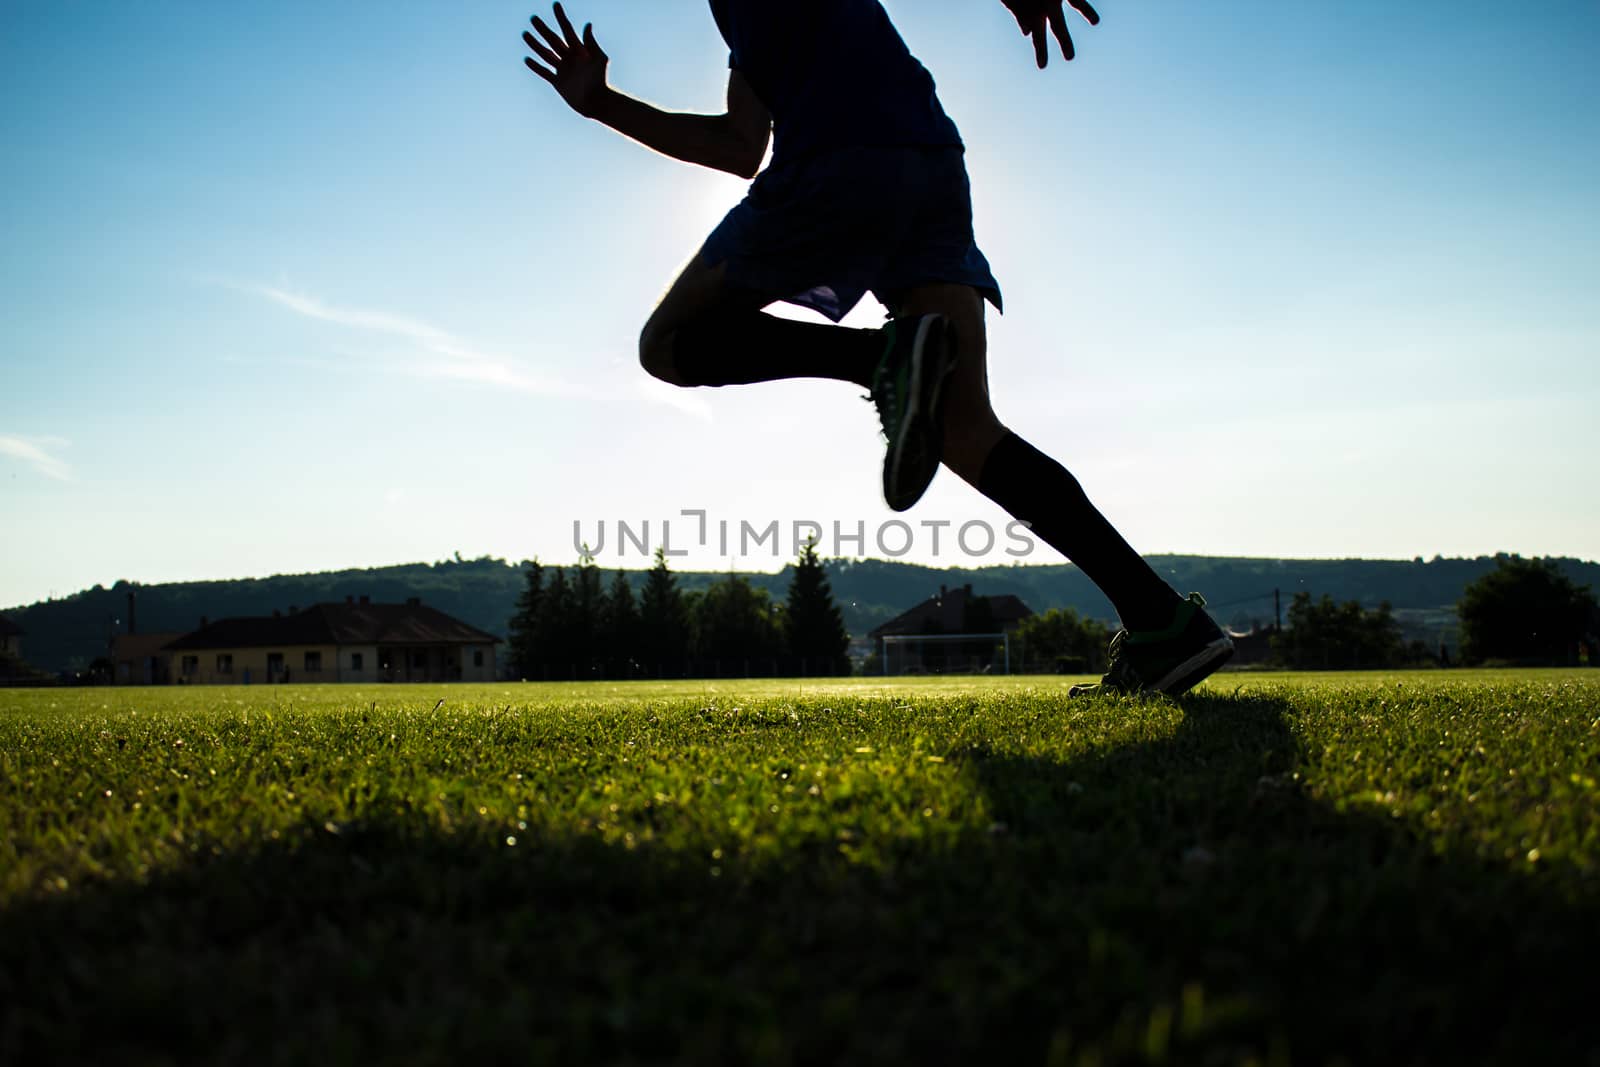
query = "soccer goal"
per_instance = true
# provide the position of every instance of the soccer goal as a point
(946, 653)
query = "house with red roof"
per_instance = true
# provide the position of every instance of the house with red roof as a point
(356, 641)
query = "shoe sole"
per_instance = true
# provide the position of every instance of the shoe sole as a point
(1192, 671)
(923, 412)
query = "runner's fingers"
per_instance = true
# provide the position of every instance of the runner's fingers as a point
(545, 74)
(550, 35)
(541, 51)
(1058, 23)
(1041, 43)
(566, 29)
(1084, 8)
(593, 45)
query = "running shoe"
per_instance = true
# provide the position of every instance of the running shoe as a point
(908, 391)
(1170, 661)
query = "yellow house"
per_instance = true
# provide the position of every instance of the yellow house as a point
(349, 642)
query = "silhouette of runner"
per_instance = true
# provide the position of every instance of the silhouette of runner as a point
(867, 191)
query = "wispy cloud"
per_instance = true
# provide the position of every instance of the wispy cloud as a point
(312, 308)
(685, 401)
(35, 451)
(448, 357)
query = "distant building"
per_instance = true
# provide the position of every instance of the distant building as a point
(957, 611)
(952, 611)
(141, 659)
(10, 638)
(349, 642)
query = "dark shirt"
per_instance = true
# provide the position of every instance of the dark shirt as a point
(834, 74)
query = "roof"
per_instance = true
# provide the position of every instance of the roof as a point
(9, 628)
(412, 623)
(946, 613)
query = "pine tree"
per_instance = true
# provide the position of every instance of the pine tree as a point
(525, 623)
(817, 640)
(619, 632)
(556, 647)
(588, 607)
(737, 629)
(663, 624)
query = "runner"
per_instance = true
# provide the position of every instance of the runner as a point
(867, 191)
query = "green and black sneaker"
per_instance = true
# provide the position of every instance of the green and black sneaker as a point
(1170, 661)
(908, 391)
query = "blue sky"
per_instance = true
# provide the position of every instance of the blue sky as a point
(299, 286)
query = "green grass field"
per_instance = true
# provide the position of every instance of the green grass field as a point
(1278, 869)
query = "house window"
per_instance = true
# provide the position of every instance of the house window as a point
(356, 661)
(477, 657)
(191, 664)
(274, 665)
(224, 662)
(313, 662)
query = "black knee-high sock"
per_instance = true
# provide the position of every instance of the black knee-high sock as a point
(1041, 492)
(748, 346)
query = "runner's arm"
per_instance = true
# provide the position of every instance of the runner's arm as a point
(1033, 16)
(734, 142)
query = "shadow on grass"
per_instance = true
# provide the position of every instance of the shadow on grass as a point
(1178, 900)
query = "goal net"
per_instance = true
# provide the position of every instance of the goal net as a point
(946, 654)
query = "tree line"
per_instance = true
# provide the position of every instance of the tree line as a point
(574, 624)
(1525, 612)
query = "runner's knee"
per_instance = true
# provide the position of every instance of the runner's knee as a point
(968, 421)
(655, 351)
(971, 430)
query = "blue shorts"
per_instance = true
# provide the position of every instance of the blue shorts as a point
(825, 230)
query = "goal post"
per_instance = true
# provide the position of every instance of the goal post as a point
(945, 653)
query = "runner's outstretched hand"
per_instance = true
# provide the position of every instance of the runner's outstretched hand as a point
(1034, 15)
(575, 66)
